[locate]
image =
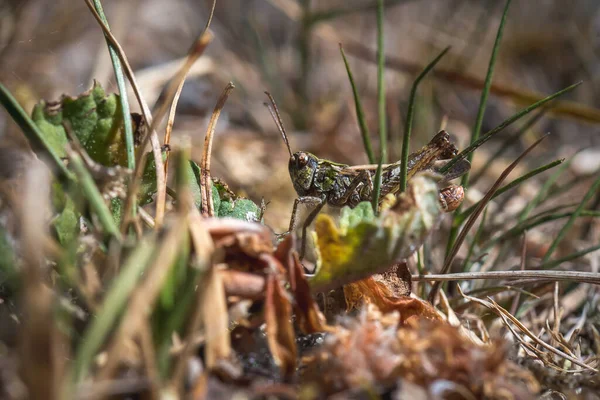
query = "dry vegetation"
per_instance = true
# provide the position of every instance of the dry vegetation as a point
(128, 270)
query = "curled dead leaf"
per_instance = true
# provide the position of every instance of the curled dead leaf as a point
(280, 332)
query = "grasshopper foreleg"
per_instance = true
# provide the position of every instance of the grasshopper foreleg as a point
(318, 202)
(308, 200)
(311, 217)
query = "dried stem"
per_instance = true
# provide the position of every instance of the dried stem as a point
(205, 184)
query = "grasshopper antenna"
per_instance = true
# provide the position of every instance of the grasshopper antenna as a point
(277, 118)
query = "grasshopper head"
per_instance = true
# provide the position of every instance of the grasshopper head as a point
(302, 168)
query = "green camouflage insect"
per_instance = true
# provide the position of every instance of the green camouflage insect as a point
(318, 182)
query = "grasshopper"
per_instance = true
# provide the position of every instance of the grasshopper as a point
(318, 182)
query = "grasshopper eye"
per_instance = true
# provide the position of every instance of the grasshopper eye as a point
(302, 159)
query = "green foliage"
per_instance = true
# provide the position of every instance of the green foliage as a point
(115, 302)
(148, 185)
(225, 202)
(121, 84)
(38, 141)
(96, 120)
(409, 118)
(360, 114)
(363, 244)
(8, 261)
(66, 220)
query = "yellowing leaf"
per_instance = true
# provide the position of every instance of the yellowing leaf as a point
(363, 244)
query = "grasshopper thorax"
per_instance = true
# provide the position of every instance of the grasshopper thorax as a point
(302, 167)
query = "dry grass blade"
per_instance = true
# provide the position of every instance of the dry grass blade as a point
(148, 354)
(463, 234)
(140, 163)
(143, 297)
(42, 362)
(114, 302)
(194, 53)
(205, 184)
(203, 247)
(210, 312)
(506, 317)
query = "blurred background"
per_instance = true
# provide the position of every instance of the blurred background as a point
(290, 48)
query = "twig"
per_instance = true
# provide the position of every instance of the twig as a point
(534, 275)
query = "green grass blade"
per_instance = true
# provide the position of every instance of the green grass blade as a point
(323, 16)
(381, 83)
(541, 195)
(563, 232)
(462, 216)
(377, 187)
(93, 195)
(122, 86)
(113, 306)
(535, 221)
(509, 142)
(486, 87)
(360, 115)
(409, 119)
(453, 234)
(488, 135)
(453, 251)
(570, 257)
(34, 135)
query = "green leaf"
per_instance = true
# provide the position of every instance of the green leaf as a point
(194, 179)
(351, 217)
(176, 279)
(116, 209)
(364, 244)
(66, 221)
(96, 120)
(36, 138)
(226, 203)
(8, 262)
(243, 209)
(148, 186)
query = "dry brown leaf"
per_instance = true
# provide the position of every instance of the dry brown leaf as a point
(310, 318)
(280, 332)
(371, 291)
